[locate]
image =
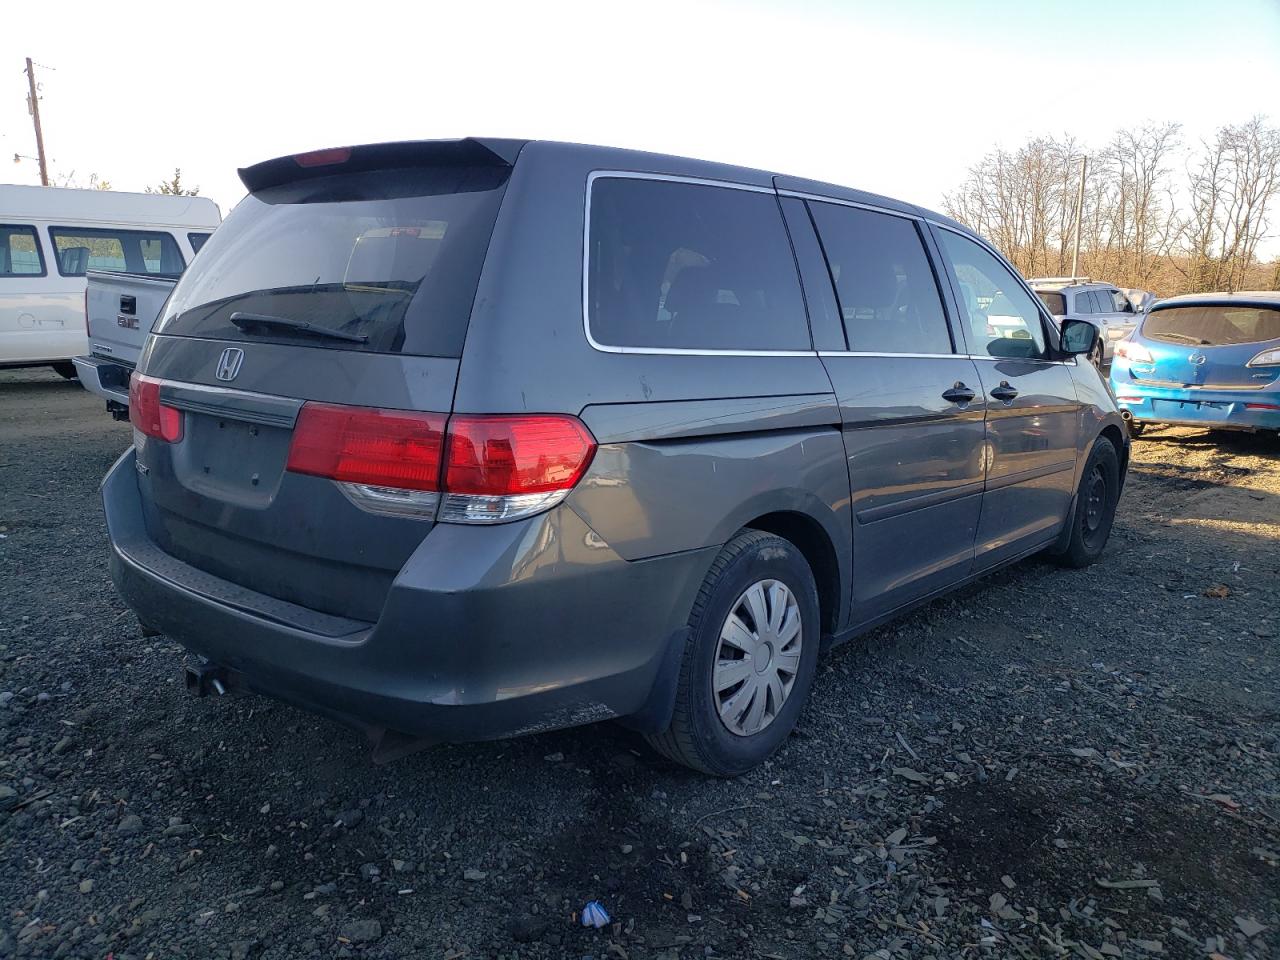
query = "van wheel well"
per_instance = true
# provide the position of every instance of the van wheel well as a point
(812, 541)
(1112, 434)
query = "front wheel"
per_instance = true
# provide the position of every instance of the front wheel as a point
(1096, 500)
(750, 660)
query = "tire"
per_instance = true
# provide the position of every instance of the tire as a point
(698, 737)
(1096, 500)
(1097, 356)
(65, 369)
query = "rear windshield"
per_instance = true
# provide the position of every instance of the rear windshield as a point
(1213, 324)
(389, 259)
(1055, 302)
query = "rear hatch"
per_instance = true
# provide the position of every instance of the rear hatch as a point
(1209, 345)
(345, 279)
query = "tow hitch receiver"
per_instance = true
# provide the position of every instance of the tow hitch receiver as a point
(205, 678)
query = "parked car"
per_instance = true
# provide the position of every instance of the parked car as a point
(467, 439)
(119, 309)
(1206, 360)
(50, 237)
(1101, 304)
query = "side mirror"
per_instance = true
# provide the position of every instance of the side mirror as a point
(1078, 336)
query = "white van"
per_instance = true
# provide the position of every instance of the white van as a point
(49, 237)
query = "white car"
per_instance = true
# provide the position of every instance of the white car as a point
(49, 238)
(1105, 306)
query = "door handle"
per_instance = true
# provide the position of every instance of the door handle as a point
(1004, 392)
(958, 394)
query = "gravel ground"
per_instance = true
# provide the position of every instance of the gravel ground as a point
(1050, 763)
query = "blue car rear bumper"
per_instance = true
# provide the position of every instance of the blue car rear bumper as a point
(1221, 409)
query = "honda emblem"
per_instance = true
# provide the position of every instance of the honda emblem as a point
(229, 363)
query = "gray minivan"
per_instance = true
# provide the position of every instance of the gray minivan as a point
(467, 439)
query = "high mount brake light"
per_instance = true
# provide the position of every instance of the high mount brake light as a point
(476, 469)
(148, 414)
(323, 158)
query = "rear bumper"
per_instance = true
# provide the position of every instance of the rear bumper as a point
(109, 379)
(487, 631)
(1219, 409)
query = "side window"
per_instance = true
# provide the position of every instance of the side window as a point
(887, 291)
(131, 251)
(1084, 303)
(20, 254)
(685, 266)
(1121, 302)
(1003, 318)
(1101, 302)
(197, 241)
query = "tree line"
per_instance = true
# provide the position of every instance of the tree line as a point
(1159, 213)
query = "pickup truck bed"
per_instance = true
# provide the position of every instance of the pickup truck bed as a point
(120, 310)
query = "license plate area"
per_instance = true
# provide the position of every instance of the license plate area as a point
(232, 460)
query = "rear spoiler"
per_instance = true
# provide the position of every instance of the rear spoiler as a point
(469, 152)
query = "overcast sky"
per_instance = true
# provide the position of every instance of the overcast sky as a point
(899, 98)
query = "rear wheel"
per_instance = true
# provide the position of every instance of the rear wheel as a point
(1096, 355)
(1135, 428)
(65, 369)
(750, 660)
(1096, 500)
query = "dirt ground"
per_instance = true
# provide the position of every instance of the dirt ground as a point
(1049, 763)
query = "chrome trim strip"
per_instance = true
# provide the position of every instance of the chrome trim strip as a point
(943, 356)
(264, 408)
(799, 195)
(595, 175)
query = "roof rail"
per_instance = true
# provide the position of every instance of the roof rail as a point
(1061, 280)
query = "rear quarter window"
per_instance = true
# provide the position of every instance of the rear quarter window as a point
(20, 254)
(1053, 301)
(674, 265)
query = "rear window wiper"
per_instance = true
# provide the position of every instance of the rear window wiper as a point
(246, 320)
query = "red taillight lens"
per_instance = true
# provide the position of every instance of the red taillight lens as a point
(148, 414)
(388, 448)
(490, 468)
(1262, 406)
(510, 456)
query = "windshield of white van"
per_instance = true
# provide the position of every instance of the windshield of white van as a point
(1213, 324)
(388, 260)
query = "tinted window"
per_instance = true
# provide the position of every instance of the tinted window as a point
(128, 251)
(1084, 302)
(693, 267)
(20, 252)
(1213, 324)
(389, 257)
(1054, 302)
(888, 295)
(1120, 303)
(1004, 320)
(197, 241)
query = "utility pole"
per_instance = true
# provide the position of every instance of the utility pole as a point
(1075, 253)
(33, 104)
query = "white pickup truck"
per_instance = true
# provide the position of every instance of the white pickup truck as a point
(120, 310)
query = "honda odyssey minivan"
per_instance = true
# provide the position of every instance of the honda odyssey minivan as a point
(467, 439)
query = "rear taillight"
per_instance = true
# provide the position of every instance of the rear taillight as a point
(148, 415)
(500, 468)
(1133, 352)
(1262, 406)
(364, 445)
(475, 469)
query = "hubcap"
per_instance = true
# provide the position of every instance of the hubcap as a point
(1096, 502)
(757, 657)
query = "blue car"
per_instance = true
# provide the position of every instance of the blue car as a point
(1203, 360)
